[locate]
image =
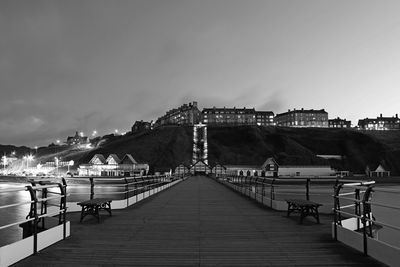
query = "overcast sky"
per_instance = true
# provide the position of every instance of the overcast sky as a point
(84, 65)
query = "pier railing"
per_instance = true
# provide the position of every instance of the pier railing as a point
(124, 191)
(273, 191)
(38, 220)
(48, 207)
(368, 225)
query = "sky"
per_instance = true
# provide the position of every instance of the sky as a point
(87, 65)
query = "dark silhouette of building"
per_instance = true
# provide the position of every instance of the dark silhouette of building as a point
(140, 126)
(229, 116)
(77, 140)
(339, 123)
(303, 118)
(265, 118)
(187, 114)
(380, 123)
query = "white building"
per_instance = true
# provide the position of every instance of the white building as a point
(113, 166)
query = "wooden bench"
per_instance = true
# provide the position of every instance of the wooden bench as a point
(305, 207)
(93, 206)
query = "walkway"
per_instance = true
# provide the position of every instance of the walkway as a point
(198, 223)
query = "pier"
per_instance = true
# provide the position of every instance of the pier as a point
(199, 222)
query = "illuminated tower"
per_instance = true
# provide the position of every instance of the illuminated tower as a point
(200, 146)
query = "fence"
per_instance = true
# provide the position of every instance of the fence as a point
(41, 228)
(273, 191)
(355, 223)
(38, 220)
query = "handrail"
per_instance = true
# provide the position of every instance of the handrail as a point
(363, 212)
(274, 183)
(36, 216)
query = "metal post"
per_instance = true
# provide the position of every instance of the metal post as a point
(272, 196)
(366, 214)
(33, 214)
(63, 206)
(308, 188)
(336, 208)
(357, 206)
(91, 187)
(126, 191)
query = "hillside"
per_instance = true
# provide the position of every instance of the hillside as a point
(167, 147)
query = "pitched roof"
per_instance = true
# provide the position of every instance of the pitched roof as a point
(128, 159)
(113, 157)
(98, 159)
(199, 161)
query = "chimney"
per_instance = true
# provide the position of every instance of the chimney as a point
(397, 116)
(381, 115)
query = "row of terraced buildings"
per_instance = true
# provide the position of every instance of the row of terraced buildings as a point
(189, 114)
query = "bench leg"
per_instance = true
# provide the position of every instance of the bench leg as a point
(317, 214)
(82, 213)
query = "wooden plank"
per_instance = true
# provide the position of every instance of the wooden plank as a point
(199, 222)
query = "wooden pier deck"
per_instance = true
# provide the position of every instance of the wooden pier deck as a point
(198, 223)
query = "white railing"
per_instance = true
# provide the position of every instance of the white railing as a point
(42, 195)
(356, 225)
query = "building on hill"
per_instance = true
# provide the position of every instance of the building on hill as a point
(265, 118)
(303, 118)
(187, 114)
(380, 123)
(78, 139)
(140, 126)
(113, 166)
(229, 116)
(339, 123)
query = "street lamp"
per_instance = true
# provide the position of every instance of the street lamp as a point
(36, 148)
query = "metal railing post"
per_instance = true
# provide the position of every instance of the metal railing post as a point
(126, 191)
(91, 187)
(366, 214)
(308, 188)
(35, 216)
(63, 206)
(336, 209)
(357, 206)
(272, 193)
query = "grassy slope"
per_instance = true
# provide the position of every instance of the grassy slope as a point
(167, 147)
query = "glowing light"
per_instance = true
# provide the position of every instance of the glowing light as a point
(82, 134)
(94, 133)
